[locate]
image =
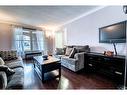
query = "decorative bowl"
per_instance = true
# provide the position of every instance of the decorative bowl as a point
(45, 57)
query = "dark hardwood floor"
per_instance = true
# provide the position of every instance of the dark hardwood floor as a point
(69, 80)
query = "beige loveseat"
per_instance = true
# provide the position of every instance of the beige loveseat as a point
(73, 62)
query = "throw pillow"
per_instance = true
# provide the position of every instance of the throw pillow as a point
(8, 55)
(1, 61)
(72, 53)
(68, 51)
(7, 70)
(59, 51)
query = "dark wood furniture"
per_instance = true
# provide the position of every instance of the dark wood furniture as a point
(31, 54)
(111, 66)
(76, 81)
(43, 66)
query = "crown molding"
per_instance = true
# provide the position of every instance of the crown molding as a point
(20, 24)
(83, 15)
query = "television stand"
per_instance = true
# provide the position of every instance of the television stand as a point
(112, 67)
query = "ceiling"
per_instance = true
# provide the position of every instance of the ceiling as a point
(45, 16)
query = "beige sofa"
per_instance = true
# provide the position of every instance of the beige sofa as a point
(76, 62)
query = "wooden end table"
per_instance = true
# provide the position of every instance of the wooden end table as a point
(42, 66)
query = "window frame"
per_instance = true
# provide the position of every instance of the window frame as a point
(29, 33)
(33, 39)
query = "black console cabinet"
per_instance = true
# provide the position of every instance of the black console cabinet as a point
(111, 66)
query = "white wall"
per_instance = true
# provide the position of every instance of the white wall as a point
(85, 30)
(5, 37)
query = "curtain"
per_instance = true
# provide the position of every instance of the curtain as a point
(45, 42)
(40, 41)
(59, 39)
(17, 43)
(37, 40)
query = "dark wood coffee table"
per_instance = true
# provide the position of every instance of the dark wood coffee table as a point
(42, 66)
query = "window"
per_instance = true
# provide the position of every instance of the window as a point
(60, 38)
(38, 40)
(33, 40)
(27, 40)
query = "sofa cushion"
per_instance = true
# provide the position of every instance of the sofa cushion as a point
(3, 80)
(59, 51)
(65, 46)
(8, 55)
(68, 51)
(16, 80)
(58, 56)
(1, 61)
(82, 48)
(14, 63)
(72, 53)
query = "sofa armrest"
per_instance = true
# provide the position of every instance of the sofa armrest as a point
(67, 60)
(79, 56)
(3, 80)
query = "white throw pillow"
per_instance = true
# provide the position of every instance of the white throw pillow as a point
(68, 51)
(1, 61)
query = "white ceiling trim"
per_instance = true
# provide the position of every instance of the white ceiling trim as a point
(20, 24)
(82, 15)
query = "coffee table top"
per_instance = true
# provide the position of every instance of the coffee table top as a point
(48, 61)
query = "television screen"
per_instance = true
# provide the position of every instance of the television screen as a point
(115, 33)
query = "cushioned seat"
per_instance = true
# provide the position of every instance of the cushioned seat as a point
(59, 56)
(14, 64)
(13, 61)
(75, 64)
(16, 80)
(73, 57)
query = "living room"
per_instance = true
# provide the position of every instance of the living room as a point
(33, 34)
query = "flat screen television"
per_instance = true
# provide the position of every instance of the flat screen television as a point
(115, 33)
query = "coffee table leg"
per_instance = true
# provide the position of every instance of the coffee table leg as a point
(34, 63)
(59, 72)
(42, 77)
(42, 73)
